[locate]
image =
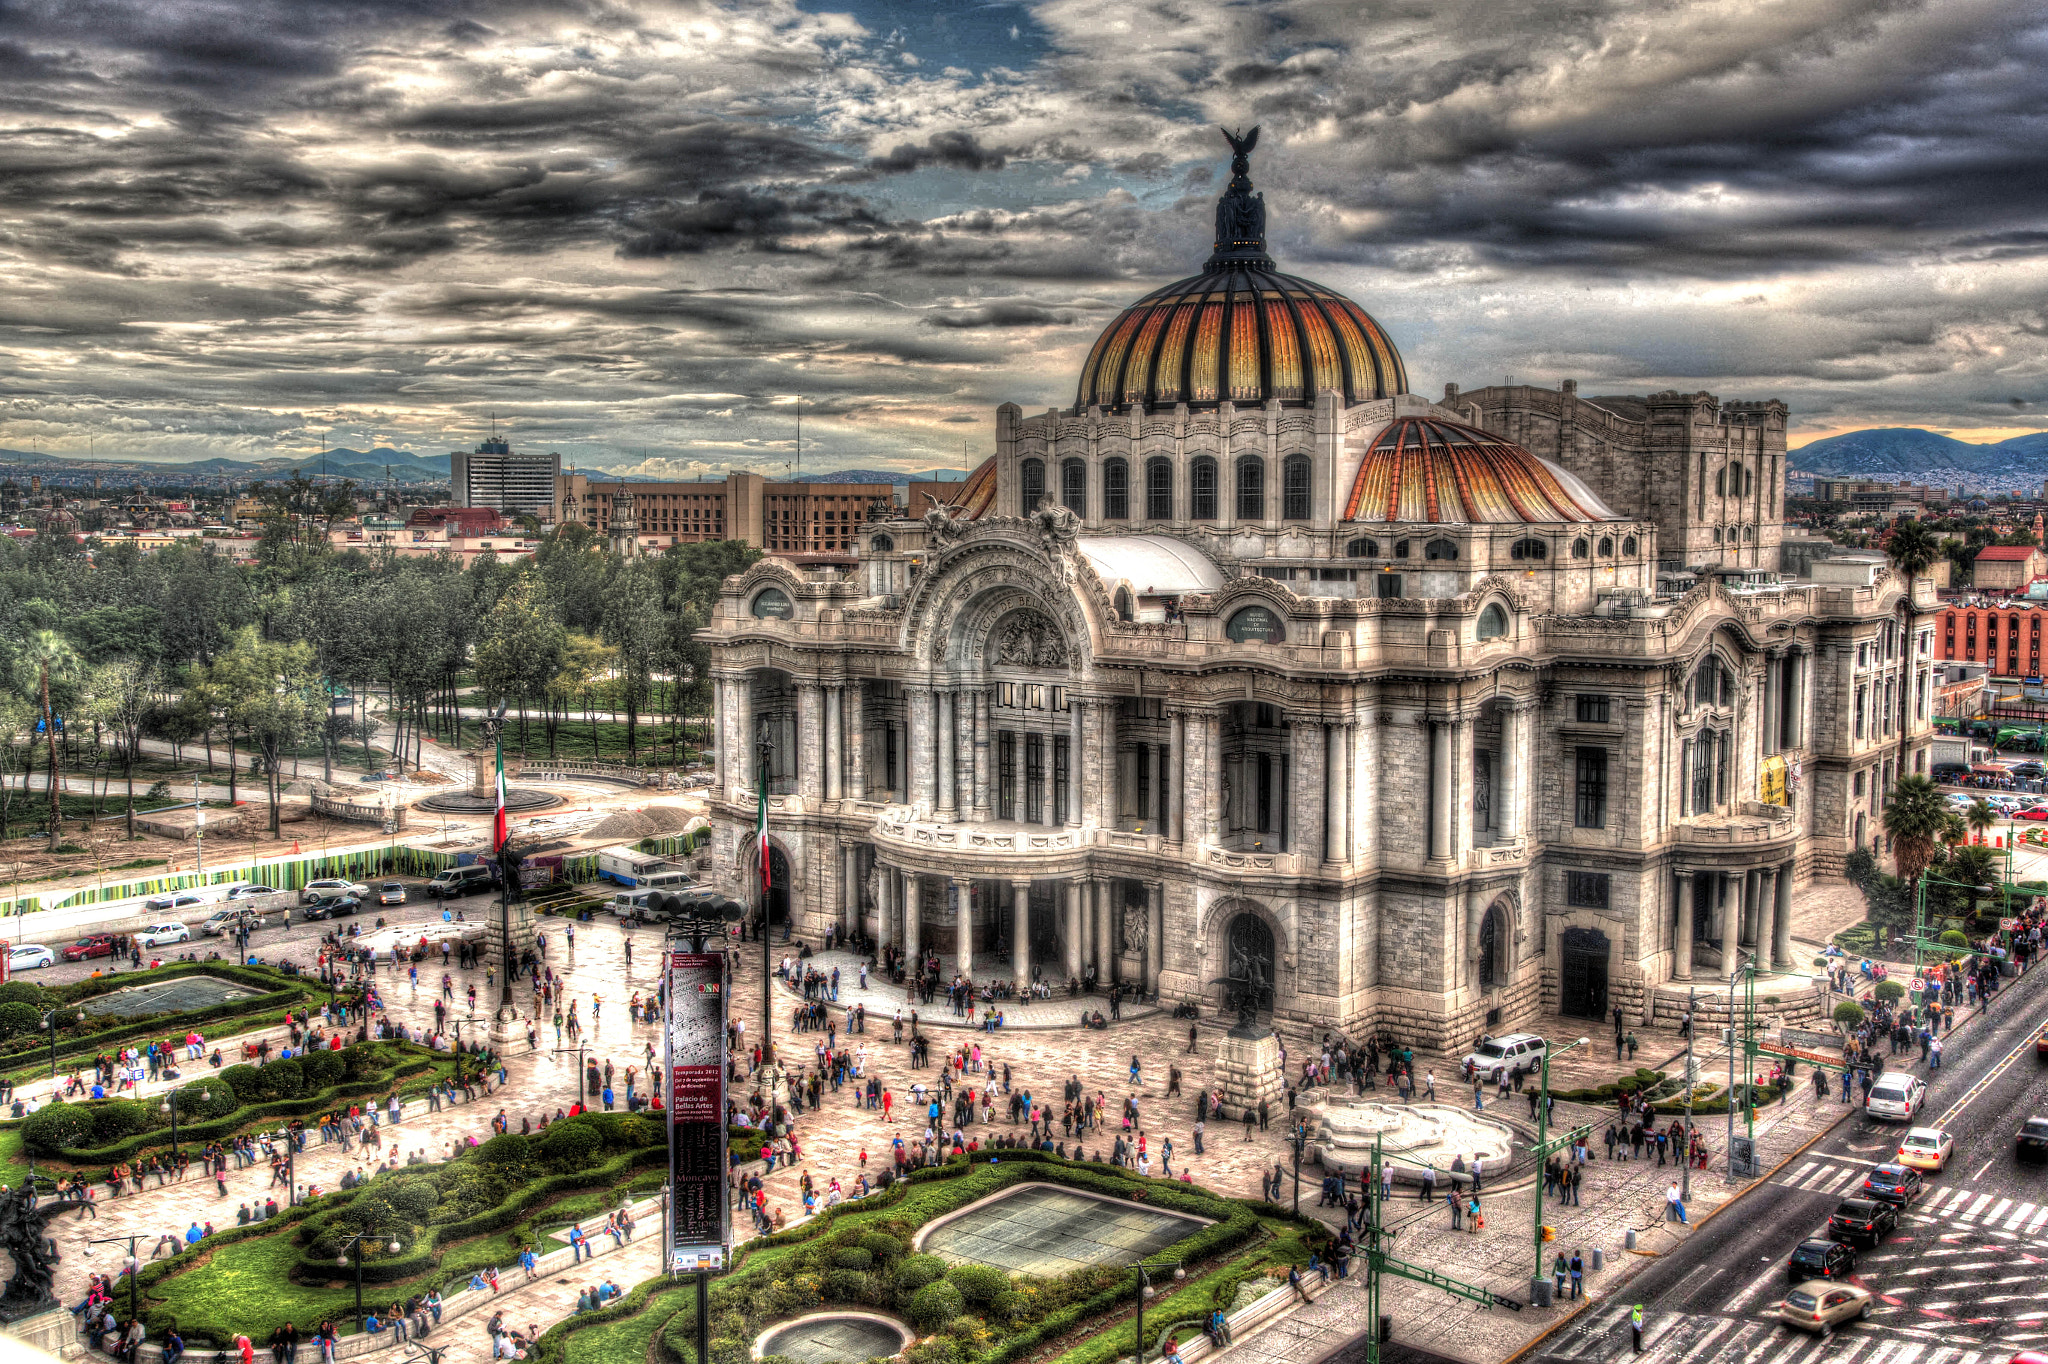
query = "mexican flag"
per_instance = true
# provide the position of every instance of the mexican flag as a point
(498, 830)
(761, 832)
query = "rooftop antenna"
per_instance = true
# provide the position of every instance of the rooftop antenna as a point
(799, 435)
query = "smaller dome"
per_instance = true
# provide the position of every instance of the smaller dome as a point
(1420, 469)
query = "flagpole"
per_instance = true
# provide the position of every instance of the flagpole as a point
(763, 747)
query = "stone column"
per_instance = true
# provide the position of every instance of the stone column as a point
(921, 771)
(857, 741)
(1731, 919)
(1781, 919)
(1337, 782)
(1307, 789)
(1176, 788)
(982, 804)
(1077, 760)
(1439, 788)
(1020, 934)
(1802, 664)
(834, 741)
(810, 726)
(943, 717)
(849, 886)
(1681, 953)
(1205, 777)
(746, 768)
(963, 939)
(1155, 933)
(1074, 918)
(1104, 721)
(1755, 917)
(1770, 705)
(1475, 917)
(1105, 934)
(885, 907)
(1507, 781)
(913, 937)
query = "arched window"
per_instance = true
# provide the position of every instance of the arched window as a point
(1749, 532)
(1492, 960)
(1257, 625)
(772, 603)
(1628, 547)
(1032, 484)
(1294, 481)
(1124, 610)
(1362, 549)
(1720, 483)
(1493, 623)
(1529, 549)
(1440, 549)
(1580, 549)
(1202, 475)
(1116, 490)
(1400, 549)
(1717, 535)
(1074, 487)
(1159, 490)
(881, 544)
(1251, 489)
(1607, 547)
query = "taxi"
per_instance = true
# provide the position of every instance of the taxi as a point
(1926, 1148)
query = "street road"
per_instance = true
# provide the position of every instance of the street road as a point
(1964, 1281)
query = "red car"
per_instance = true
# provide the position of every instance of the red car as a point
(2036, 812)
(98, 945)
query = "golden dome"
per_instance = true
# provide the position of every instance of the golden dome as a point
(1423, 470)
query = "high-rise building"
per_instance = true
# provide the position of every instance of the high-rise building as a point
(493, 476)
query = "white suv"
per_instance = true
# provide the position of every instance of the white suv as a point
(1517, 1051)
(158, 934)
(1897, 1096)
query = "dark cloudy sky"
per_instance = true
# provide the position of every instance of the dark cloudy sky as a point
(242, 226)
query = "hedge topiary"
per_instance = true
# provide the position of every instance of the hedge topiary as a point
(1889, 990)
(853, 1257)
(57, 1127)
(245, 1080)
(885, 1248)
(1954, 937)
(118, 1118)
(932, 1306)
(568, 1144)
(978, 1284)
(204, 1099)
(844, 1285)
(507, 1148)
(22, 992)
(1849, 1014)
(17, 1018)
(917, 1271)
(283, 1079)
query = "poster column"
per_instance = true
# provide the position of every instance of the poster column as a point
(699, 1234)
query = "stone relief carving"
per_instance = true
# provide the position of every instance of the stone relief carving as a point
(1135, 927)
(1058, 533)
(1029, 639)
(940, 524)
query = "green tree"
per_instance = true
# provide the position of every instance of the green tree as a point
(272, 691)
(1913, 820)
(636, 626)
(48, 656)
(1980, 816)
(519, 650)
(124, 696)
(584, 662)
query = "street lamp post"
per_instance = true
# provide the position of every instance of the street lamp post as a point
(354, 1245)
(132, 1266)
(582, 1071)
(50, 1024)
(170, 1106)
(1540, 1283)
(1691, 1026)
(764, 748)
(1145, 1291)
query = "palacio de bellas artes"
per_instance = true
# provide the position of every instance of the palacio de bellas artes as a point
(1254, 679)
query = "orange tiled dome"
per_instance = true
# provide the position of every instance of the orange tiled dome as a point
(1423, 470)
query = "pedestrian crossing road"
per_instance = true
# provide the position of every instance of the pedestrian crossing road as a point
(1691, 1339)
(1954, 1204)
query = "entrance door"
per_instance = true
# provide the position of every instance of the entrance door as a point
(1047, 960)
(1582, 980)
(778, 886)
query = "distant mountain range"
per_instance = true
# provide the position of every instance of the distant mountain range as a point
(1921, 456)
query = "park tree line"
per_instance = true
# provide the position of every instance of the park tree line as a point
(306, 651)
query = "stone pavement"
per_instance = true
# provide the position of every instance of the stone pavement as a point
(883, 997)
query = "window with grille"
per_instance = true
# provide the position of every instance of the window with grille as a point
(1032, 481)
(1251, 490)
(1203, 501)
(1587, 889)
(1074, 487)
(1593, 710)
(1116, 490)
(1294, 482)
(1591, 805)
(1159, 490)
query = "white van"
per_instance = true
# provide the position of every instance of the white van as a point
(630, 867)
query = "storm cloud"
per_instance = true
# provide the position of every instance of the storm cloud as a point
(247, 226)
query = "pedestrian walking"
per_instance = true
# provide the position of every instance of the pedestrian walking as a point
(1635, 1322)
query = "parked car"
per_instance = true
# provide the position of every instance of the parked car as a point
(1516, 1051)
(156, 935)
(30, 957)
(1820, 1260)
(474, 879)
(1898, 1184)
(223, 922)
(1821, 1306)
(170, 904)
(1897, 1096)
(245, 891)
(1863, 1221)
(1926, 1148)
(331, 907)
(331, 886)
(2032, 1141)
(98, 945)
(391, 893)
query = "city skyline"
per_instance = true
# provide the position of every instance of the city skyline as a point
(652, 230)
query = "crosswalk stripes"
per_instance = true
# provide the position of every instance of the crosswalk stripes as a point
(1723, 1339)
(1966, 1206)
(1825, 1176)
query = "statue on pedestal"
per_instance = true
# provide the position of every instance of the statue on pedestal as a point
(33, 1252)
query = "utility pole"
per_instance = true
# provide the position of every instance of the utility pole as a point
(1691, 1081)
(1379, 1264)
(199, 827)
(764, 748)
(1539, 1282)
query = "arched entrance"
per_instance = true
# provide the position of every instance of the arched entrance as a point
(778, 886)
(1582, 973)
(1492, 961)
(1251, 957)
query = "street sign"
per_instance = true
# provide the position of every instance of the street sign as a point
(2009, 925)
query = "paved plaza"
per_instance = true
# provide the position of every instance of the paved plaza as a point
(1047, 1232)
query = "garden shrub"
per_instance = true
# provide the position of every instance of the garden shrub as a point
(1954, 937)
(853, 1257)
(507, 1148)
(1849, 1013)
(937, 1350)
(845, 1285)
(322, 1068)
(978, 1284)
(204, 1099)
(283, 1079)
(885, 1248)
(118, 1118)
(933, 1306)
(22, 992)
(568, 1145)
(1890, 991)
(17, 1018)
(245, 1080)
(57, 1127)
(917, 1271)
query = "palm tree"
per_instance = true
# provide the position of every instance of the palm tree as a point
(1953, 828)
(1981, 816)
(1913, 548)
(1913, 818)
(46, 652)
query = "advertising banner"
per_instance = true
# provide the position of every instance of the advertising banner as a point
(698, 1230)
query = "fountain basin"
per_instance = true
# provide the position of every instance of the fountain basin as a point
(1048, 1230)
(1412, 1137)
(835, 1338)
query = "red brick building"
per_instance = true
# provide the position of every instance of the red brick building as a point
(2008, 637)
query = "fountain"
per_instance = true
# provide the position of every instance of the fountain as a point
(834, 1338)
(1411, 1136)
(482, 796)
